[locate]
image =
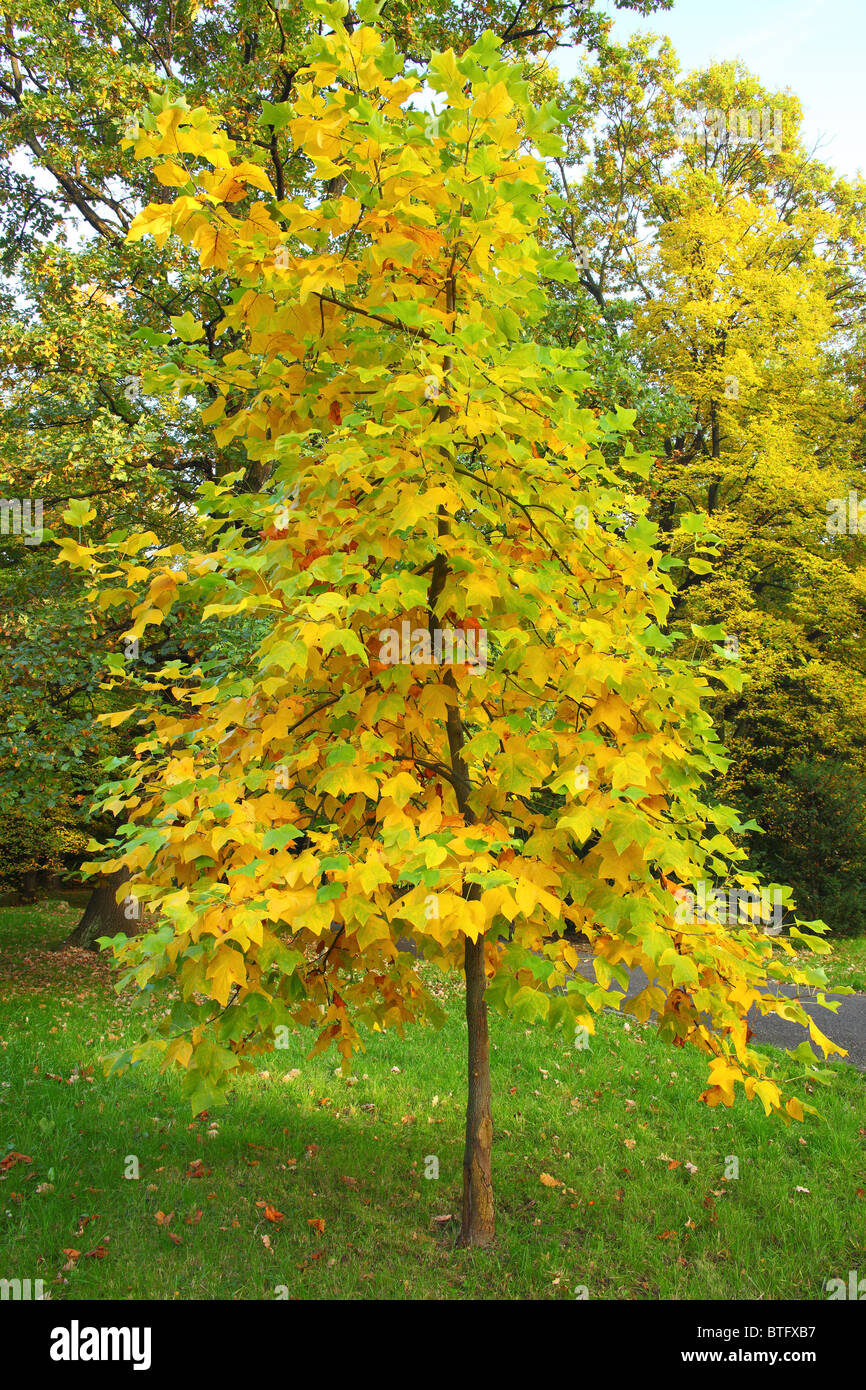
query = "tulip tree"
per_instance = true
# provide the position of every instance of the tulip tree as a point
(462, 724)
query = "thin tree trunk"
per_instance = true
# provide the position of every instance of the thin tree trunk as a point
(103, 915)
(478, 1225)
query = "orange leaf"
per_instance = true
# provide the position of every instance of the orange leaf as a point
(10, 1159)
(317, 1223)
(270, 1213)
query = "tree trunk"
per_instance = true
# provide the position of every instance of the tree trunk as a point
(478, 1226)
(30, 886)
(103, 915)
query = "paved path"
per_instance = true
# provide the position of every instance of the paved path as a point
(847, 1027)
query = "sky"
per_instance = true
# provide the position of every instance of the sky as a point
(815, 47)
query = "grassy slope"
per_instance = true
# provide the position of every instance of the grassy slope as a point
(607, 1124)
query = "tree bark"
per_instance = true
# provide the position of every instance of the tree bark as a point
(103, 915)
(478, 1225)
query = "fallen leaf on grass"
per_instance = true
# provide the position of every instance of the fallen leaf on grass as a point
(197, 1169)
(11, 1159)
(162, 1219)
(98, 1254)
(350, 1182)
(317, 1223)
(549, 1181)
(46, 1187)
(270, 1213)
(175, 1239)
(194, 1220)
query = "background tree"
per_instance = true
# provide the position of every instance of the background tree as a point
(721, 294)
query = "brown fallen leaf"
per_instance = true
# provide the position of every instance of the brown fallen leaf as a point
(350, 1182)
(194, 1220)
(98, 1254)
(175, 1239)
(270, 1213)
(549, 1181)
(317, 1223)
(162, 1219)
(11, 1159)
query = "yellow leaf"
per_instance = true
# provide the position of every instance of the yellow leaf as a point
(213, 244)
(494, 102)
(171, 175)
(225, 970)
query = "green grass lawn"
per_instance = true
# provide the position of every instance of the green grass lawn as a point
(847, 964)
(641, 1207)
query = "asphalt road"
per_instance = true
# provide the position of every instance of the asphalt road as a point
(847, 1026)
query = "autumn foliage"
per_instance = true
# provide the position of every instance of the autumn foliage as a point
(424, 461)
